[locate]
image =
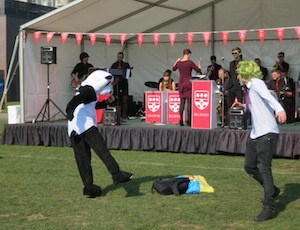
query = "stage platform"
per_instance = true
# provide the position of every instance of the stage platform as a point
(137, 135)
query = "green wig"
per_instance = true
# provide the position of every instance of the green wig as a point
(248, 70)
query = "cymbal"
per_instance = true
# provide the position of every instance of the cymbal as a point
(151, 84)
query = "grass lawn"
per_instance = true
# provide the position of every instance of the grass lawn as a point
(41, 189)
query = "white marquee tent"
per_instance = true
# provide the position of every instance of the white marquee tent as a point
(148, 17)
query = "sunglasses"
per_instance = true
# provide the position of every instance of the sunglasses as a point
(234, 53)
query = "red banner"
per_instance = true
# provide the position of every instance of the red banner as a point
(64, 37)
(297, 29)
(155, 39)
(261, 35)
(172, 38)
(36, 36)
(224, 36)
(206, 37)
(107, 38)
(140, 39)
(123, 38)
(280, 34)
(190, 37)
(173, 104)
(78, 38)
(154, 104)
(49, 36)
(242, 35)
(93, 38)
(204, 108)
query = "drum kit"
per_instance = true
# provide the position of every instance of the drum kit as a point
(152, 84)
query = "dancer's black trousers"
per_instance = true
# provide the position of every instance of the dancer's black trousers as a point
(82, 145)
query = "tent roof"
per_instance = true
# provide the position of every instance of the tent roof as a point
(115, 16)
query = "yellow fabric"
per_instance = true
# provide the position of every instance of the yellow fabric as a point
(205, 187)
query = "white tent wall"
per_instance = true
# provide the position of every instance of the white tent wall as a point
(149, 61)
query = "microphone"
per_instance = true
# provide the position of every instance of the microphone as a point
(222, 58)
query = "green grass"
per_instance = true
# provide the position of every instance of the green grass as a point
(40, 189)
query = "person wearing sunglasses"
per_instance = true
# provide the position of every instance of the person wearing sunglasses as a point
(234, 87)
(281, 64)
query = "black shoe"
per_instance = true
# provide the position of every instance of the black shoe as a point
(92, 191)
(181, 123)
(122, 177)
(276, 192)
(266, 214)
(188, 123)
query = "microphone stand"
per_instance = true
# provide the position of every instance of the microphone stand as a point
(223, 97)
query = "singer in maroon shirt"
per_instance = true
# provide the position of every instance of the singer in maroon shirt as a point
(185, 67)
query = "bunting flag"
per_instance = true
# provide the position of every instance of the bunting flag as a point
(280, 34)
(49, 36)
(78, 38)
(261, 35)
(107, 38)
(64, 37)
(123, 38)
(297, 29)
(36, 36)
(190, 37)
(155, 39)
(93, 38)
(225, 36)
(242, 35)
(156, 36)
(140, 39)
(172, 38)
(206, 37)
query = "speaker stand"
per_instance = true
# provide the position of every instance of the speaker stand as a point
(46, 106)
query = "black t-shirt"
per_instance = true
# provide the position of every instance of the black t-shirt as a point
(82, 69)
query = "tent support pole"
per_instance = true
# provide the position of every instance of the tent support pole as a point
(10, 73)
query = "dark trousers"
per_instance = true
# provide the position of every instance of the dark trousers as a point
(234, 92)
(82, 145)
(258, 163)
(188, 109)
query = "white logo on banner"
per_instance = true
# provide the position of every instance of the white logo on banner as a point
(174, 103)
(153, 103)
(201, 99)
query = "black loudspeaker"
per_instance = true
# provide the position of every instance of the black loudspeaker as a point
(48, 55)
(237, 119)
(112, 116)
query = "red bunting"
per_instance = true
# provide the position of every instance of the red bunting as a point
(93, 38)
(206, 37)
(123, 38)
(224, 36)
(297, 29)
(261, 35)
(49, 36)
(190, 37)
(140, 39)
(280, 34)
(78, 38)
(36, 36)
(64, 37)
(242, 35)
(155, 39)
(172, 38)
(107, 38)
